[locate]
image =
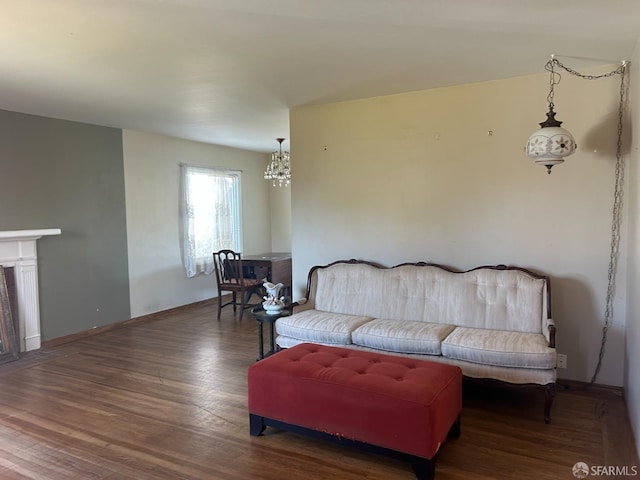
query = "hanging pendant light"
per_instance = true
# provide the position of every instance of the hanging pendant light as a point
(279, 170)
(549, 145)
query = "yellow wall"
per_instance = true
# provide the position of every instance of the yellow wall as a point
(157, 279)
(280, 205)
(440, 176)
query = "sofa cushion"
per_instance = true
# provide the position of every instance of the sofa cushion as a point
(402, 336)
(499, 347)
(320, 327)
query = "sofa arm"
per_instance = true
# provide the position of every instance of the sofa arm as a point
(295, 304)
(549, 331)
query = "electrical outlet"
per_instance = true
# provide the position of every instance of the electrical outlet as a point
(562, 360)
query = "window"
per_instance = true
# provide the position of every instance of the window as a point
(211, 214)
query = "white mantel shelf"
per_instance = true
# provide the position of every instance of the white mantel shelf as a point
(12, 235)
(18, 249)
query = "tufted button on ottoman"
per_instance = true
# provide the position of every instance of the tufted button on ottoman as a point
(385, 403)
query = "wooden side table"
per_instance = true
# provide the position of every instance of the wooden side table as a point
(263, 317)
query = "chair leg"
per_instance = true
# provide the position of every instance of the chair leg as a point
(549, 393)
(242, 301)
(219, 304)
(235, 302)
(245, 300)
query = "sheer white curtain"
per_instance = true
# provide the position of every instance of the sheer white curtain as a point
(211, 215)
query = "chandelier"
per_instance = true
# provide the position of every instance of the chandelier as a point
(279, 170)
(549, 145)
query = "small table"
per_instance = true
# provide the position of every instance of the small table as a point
(263, 317)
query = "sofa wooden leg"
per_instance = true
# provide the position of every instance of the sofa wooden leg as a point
(549, 394)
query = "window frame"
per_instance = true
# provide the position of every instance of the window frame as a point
(198, 265)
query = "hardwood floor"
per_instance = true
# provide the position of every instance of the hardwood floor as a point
(166, 399)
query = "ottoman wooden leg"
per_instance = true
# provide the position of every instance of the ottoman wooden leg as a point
(256, 424)
(424, 469)
(454, 431)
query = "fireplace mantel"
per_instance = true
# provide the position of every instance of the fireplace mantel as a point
(18, 249)
(14, 235)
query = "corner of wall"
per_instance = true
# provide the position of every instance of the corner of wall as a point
(632, 337)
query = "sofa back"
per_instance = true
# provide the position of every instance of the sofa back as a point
(495, 297)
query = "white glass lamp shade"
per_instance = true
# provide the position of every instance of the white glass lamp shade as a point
(549, 145)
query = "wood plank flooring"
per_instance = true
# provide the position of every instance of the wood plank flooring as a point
(166, 399)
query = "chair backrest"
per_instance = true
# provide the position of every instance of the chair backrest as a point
(228, 266)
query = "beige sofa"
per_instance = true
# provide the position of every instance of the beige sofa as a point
(493, 322)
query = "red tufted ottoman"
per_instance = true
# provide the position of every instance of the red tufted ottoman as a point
(385, 403)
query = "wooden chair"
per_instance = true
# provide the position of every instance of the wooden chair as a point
(228, 266)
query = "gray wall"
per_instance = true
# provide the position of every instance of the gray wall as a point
(60, 174)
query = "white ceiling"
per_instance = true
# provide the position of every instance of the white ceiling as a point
(228, 71)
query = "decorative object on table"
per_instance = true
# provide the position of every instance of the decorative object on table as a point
(279, 170)
(273, 302)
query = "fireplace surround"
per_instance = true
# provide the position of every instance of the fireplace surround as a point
(18, 250)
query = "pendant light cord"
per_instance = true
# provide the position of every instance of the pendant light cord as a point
(616, 221)
(616, 216)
